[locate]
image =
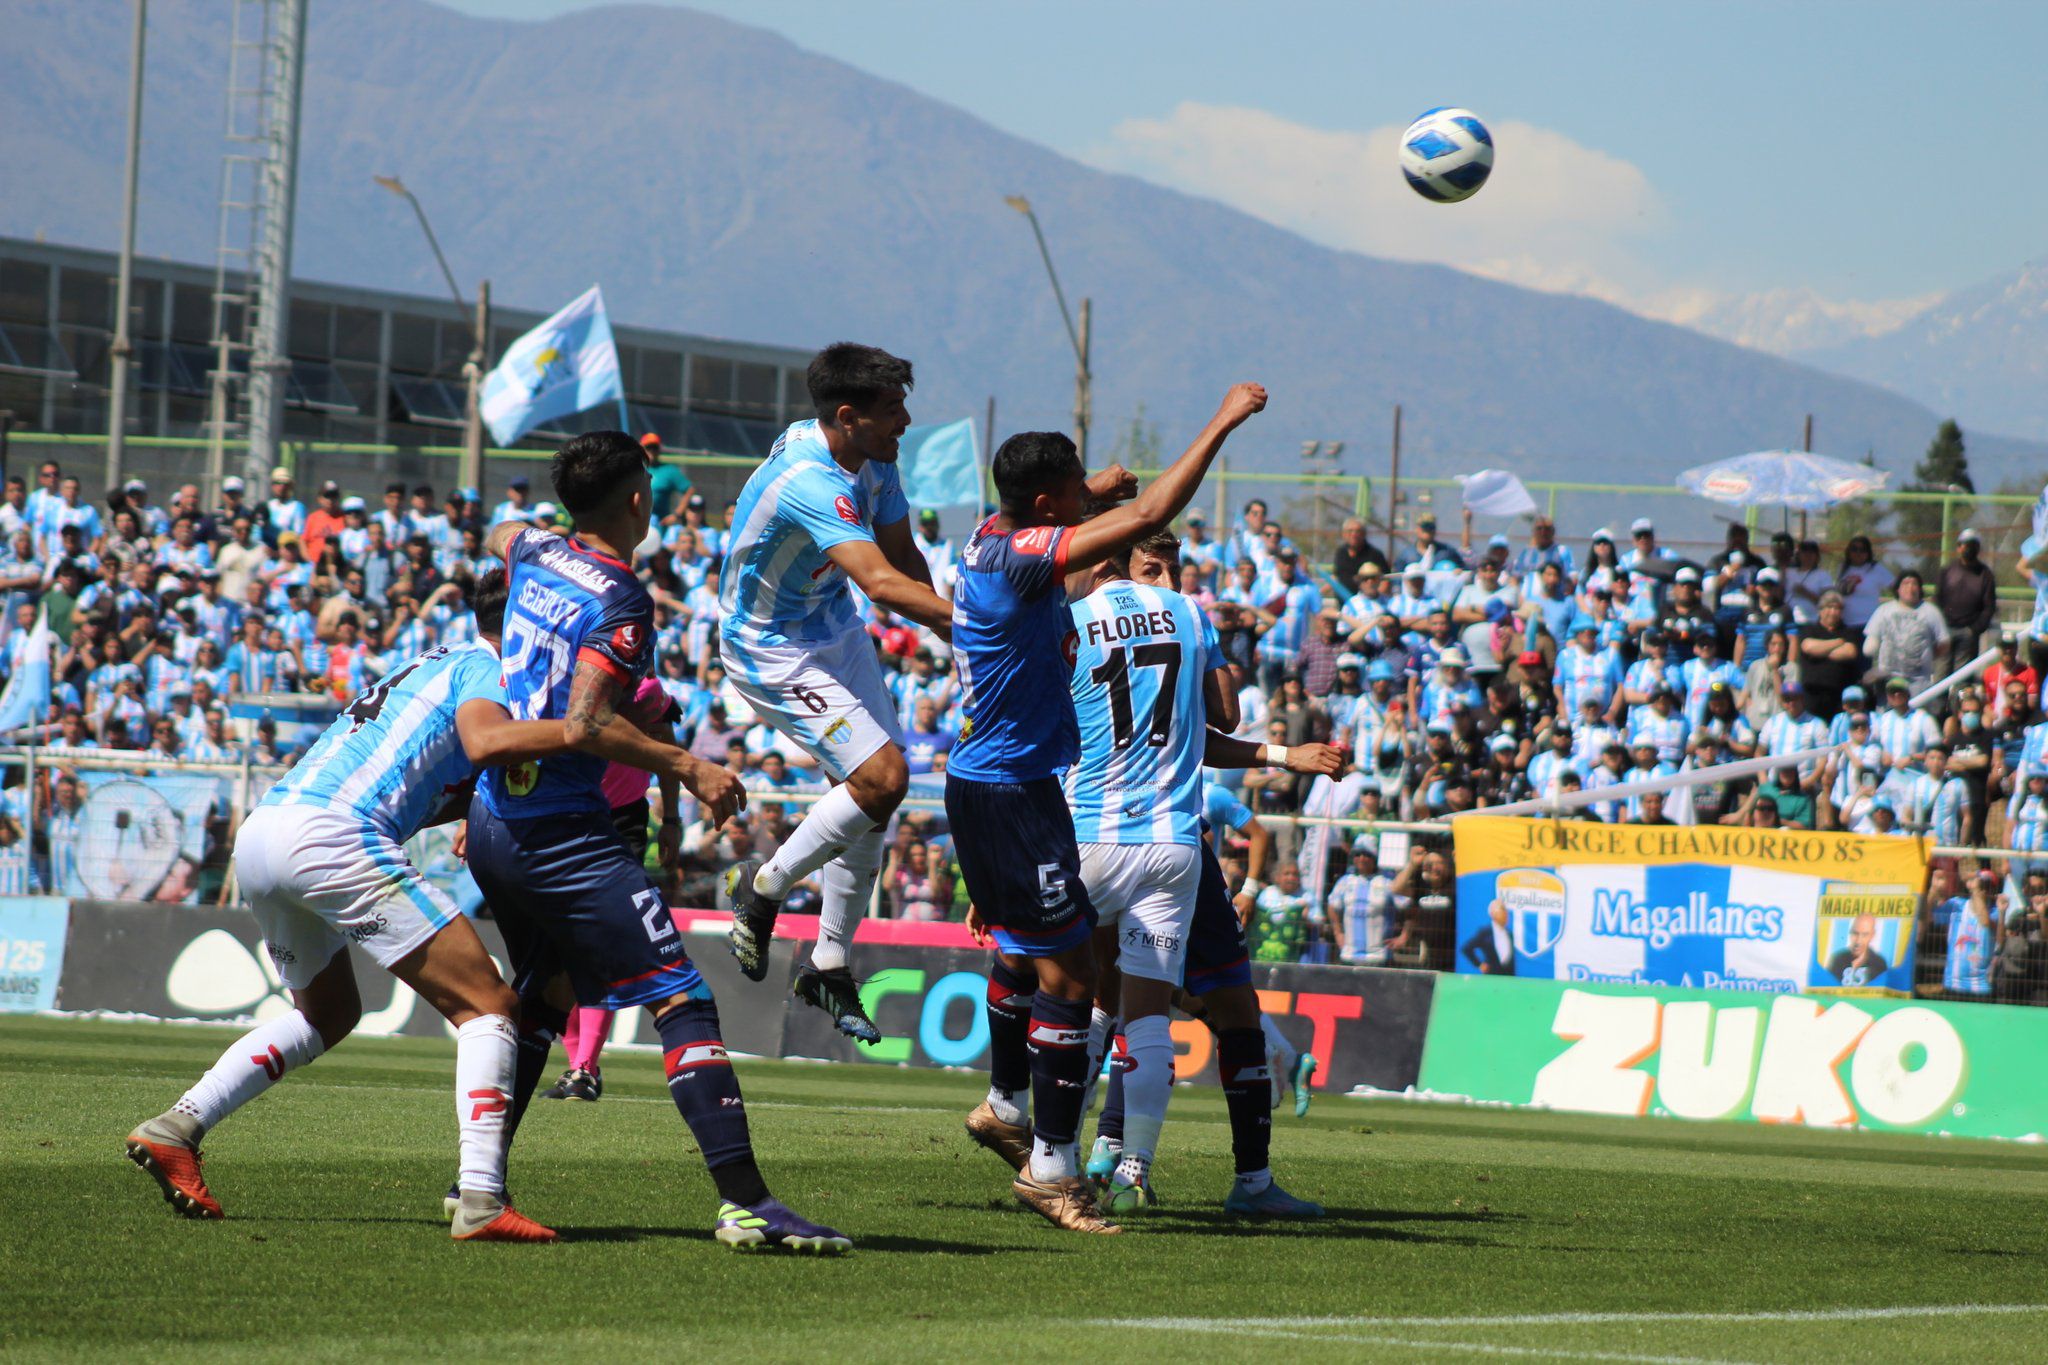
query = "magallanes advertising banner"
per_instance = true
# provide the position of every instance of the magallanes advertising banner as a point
(1966, 1070)
(1689, 907)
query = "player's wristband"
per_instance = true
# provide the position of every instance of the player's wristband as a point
(1275, 755)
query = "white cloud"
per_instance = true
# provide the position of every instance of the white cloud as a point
(1553, 208)
(1555, 215)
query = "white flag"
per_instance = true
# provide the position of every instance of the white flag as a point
(1496, 493)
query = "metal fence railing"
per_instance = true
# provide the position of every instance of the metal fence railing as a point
(99, 825)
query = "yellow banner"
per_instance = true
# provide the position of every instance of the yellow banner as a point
(1488, 843)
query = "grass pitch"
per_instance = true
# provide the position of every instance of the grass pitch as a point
(1452, 1233)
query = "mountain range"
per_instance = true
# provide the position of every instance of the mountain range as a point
(720, 179)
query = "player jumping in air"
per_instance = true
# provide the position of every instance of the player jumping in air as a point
(826, 507)
(1012, 831)
(322, 861)
(565, 886)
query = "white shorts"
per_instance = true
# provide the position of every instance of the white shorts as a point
(1147, 892)
(318, 881)
(828, 697)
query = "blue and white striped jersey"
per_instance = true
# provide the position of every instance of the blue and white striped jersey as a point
(1139, 662)
(1222, 810)
(778, 587)
(393, 757)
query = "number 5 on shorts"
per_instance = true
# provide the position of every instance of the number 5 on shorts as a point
(654, 915)
(1052, 885)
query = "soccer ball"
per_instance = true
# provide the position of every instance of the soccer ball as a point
(1447, 155)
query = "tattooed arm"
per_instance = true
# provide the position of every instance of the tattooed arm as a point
(594, 726)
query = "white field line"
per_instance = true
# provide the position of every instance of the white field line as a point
(1468, 1347)
(1932, 1310)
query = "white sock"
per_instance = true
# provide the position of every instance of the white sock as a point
(849, 883)
(256, 1061)
(1255, 1182)
(1101, 1028)
(833, 824)
(1280, 1055)
(1008, 1108)
(1277, 1045)
(1147, 1086)
(1053, 1161)
(486, 1053)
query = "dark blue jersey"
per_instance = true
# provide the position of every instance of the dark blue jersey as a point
(1013, 647)
(569, 604)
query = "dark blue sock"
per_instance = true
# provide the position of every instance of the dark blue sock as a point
(1248, 1095)
(539, 1025)
(1009, 1027)
(702, 1083)
(1111, 1124)
(1059, 1067)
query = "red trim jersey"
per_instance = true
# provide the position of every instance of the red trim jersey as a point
(1013, 645)
(570, 604)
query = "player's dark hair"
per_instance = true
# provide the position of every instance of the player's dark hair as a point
(847, 372)
(594, 468)
(1161, 544)
(489, 598)
(1034, 462)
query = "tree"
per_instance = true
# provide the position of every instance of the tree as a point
(1138, 445)
(1945, 468)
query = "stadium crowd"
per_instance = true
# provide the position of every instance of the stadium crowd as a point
(1454, 677)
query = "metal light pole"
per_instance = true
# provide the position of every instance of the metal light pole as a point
(1076, 335)
(472, 474)
(123, 348)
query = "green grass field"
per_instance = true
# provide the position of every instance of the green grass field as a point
(1453, 1233)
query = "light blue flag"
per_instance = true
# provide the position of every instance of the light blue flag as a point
(2037, 542)
(560, 368)
(27, 698)
(939, 465)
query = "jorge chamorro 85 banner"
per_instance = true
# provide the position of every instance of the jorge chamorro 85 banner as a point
(1688, 907)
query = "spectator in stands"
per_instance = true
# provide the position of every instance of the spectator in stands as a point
(1829, 655)
(1862, 582)
(926, 745)
(1354, 552)
(1967, 596)
(1528, 563)
(2009, 667)
(1423, 892)
(1285, 922)
(1973, 933)
(1430, 554)
(1906, 637)
(919, 889)
(1766, 678)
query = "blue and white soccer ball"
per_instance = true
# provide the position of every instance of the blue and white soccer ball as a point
(1447, 155)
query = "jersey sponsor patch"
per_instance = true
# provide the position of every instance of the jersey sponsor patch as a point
(627, 639)
(848, 513)
(1034, 540)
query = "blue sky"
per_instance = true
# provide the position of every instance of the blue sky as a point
(1670, 156)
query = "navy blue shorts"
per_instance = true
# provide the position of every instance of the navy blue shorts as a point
(1217, 953)
(570, 896)
(1015, 842)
